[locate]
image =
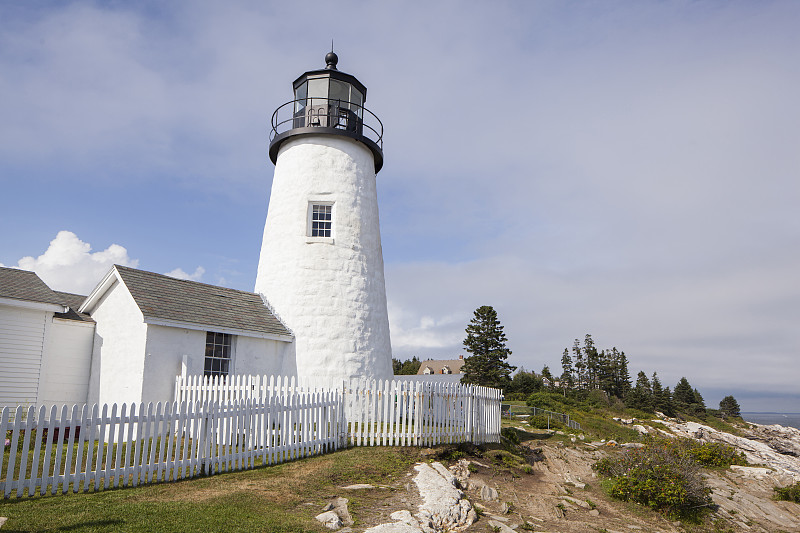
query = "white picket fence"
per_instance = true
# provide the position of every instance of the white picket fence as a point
(229, 425)
(82, 449)
(375, 412)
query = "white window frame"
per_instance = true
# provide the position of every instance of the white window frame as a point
(230, 358)
(310, 222)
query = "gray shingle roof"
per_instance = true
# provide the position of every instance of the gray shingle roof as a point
(26, 285)
(73, 301)
(162, 297)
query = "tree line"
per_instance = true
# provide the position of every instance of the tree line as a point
(584, 369)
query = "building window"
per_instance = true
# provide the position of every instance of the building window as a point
(321, 223)
(218, 354)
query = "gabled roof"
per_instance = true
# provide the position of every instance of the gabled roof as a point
(168, 301)
(73, 302)
(26, 286)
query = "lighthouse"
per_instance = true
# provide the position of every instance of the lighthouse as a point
(321, 264)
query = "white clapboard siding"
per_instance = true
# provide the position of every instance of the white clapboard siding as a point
(21, 346)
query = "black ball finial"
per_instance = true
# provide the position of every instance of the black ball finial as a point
(331, 59)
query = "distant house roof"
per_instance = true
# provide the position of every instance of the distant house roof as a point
(432, 366)
(26, 286)
(175, 302)
(73, 302)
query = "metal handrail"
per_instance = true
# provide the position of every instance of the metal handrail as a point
(338, 114)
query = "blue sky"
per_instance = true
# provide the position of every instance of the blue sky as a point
(625, 169)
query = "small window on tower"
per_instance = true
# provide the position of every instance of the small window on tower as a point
(321, 223)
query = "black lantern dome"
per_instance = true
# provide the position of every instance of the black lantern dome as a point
(330, 102)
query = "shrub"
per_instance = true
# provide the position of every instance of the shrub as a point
(510, 434)
(541, 422)
(716, 454)
(659, 476)
(789, 494)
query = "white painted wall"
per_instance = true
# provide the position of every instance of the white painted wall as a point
(66, 362)
(22, 334)
(119, 348)
(262, 356)
(332, 293)
(166, 347)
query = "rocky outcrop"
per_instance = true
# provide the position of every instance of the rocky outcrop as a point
(756, 445)
(444, 507)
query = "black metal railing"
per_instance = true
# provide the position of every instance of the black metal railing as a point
(352, 119)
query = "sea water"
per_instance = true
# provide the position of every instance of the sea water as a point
(784, 419)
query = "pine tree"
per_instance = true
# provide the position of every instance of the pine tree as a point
(580, 365)
(567, 370)
(728, 406)
(641, 397)
(658, 392)
(667, 406)
(486, 342)
(683, 396)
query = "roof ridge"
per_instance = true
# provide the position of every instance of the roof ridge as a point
(181, 280)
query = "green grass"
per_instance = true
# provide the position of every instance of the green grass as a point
(269, 499)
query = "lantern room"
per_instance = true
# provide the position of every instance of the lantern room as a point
(328, 101)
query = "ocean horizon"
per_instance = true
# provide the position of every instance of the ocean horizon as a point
(767, 418)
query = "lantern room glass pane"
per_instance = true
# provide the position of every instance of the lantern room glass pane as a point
(300, 95)
(317, 88)
(358, 99)
(341, 91)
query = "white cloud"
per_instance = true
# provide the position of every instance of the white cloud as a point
(181, 274)
(69, 265)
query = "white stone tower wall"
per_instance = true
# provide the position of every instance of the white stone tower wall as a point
(330, 292)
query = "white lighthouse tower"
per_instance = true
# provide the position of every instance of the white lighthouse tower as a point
(321, 264)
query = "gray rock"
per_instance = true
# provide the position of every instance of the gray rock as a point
(579, 503)
(501, 527)
(594, 512)
(327, 507)
(396, 527)
(3, 520)
(403, 516)
(488, 493)
(330, 520)
(359, 486)
(340, 508)
(444, 506)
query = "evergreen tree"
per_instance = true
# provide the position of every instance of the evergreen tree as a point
(641, 397)
(567, 373)
(698, 406)
(667, 406)
(683, 396)
(396, 366)
(580, 365)
(486, 342)
(728, 406)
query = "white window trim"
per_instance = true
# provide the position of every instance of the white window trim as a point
(309, 214)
